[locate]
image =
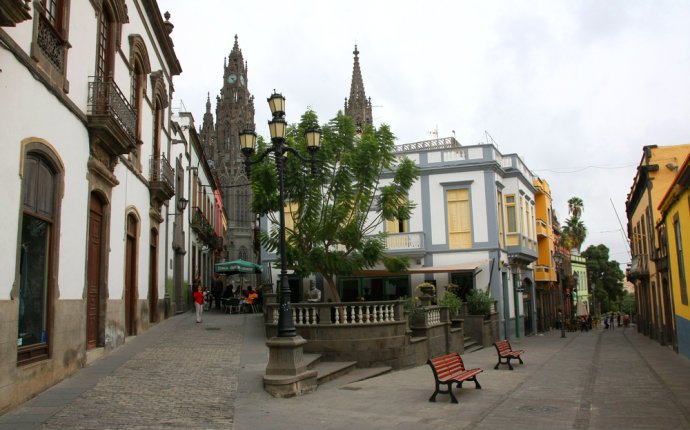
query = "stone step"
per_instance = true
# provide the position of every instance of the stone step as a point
(311, 360)
(329, 370)
(355, 375)
(472, 348)
(471, 345)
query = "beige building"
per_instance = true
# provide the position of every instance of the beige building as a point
(656, 172)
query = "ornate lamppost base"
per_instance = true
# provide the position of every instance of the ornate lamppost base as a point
(286, 373)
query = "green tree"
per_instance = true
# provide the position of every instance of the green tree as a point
(335, 212)
(605, 276)
(628, 303)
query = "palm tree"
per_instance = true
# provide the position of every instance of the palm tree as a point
(575, 207)
(575, 231)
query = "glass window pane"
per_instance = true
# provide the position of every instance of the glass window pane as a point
(33, 285)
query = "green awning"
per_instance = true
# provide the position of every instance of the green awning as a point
(236, 267)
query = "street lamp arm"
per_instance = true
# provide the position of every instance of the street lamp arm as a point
(296, 153)
(260, 156)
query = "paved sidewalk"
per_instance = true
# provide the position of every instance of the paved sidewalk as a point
(208, 376)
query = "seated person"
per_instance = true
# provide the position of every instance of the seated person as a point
(251, 297)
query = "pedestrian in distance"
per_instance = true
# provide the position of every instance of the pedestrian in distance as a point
(199, 303)
(606, 322)
(217, 290)
(618, 319)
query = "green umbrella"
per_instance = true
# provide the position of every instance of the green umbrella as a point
(235, 267)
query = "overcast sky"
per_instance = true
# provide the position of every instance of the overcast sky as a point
(576, 88)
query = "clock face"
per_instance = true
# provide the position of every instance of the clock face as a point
(241, 80)
(232, 78)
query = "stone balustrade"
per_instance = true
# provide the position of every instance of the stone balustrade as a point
(345, 313)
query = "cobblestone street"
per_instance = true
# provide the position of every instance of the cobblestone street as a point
(208, 376)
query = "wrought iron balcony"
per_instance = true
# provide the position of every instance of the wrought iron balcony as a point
(204, 230)
(161, 178)
(51, 43)
(198, 220)
(111, 119)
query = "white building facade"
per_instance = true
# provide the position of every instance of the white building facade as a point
(86, 90)
(474, 225)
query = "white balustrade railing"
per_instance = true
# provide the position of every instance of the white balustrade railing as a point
(397, 241)
(346, 313)
(432, 317)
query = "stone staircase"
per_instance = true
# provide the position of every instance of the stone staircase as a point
(337, 374)
(472, 345)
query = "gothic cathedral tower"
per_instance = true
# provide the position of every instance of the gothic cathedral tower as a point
(220, 140)
(358, 107)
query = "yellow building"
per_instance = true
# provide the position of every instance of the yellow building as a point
(545, 278)
(655, 174)
(675, 212)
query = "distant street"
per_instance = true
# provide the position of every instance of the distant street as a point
(208, 376)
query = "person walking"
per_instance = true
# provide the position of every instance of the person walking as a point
(199, 303)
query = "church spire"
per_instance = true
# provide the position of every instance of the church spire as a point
(358, 107)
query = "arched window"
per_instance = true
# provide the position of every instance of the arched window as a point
(37, 257)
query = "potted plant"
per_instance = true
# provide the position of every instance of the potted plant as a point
(415, 314)
(453, 303)
(427, 288)
(479, 302)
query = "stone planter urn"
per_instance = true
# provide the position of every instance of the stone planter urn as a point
(427, 290)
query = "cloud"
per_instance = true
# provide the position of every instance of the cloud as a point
(565, 84)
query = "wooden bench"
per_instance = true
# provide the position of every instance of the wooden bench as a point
(505, 352)
(449, 369)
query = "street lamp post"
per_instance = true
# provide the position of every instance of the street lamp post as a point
(559, 262)
(279, 147)
(286, 373)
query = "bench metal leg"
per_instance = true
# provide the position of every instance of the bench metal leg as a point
(476, 383)
(449, 390)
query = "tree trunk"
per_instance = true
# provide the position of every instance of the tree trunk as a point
(331, 293)
(331, 290)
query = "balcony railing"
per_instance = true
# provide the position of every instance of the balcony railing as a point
(404, 241)
(161, 178)
(544, 274)
(106, 100)
(51, 43)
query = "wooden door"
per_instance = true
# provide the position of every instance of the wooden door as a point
(93, 288)
(131, 276)
(153, 277)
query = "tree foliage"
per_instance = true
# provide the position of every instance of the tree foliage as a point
(605, 277)
(574, 232)
(337, 210)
